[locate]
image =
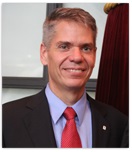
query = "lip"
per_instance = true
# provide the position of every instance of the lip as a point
(75, 71)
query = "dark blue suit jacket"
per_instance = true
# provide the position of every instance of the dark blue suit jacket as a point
(27, 123)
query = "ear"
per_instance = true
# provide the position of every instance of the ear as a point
(43, 54)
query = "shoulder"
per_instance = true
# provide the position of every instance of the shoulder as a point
(107, 111)
(115, 121)
(23, 105)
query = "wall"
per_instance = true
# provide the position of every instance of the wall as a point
(21, 38)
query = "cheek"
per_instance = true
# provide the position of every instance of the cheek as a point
(54, 61)
(90, 61)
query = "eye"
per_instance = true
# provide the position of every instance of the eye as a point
(87, 48)
(64, 46)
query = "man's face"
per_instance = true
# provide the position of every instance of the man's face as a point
(70, 57)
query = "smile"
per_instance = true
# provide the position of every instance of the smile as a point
(75, 70)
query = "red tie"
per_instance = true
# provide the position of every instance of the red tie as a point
(70, 136)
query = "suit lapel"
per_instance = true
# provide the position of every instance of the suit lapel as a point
(100, 126)
(38, 122)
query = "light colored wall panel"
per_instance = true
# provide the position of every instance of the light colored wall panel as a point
(21, 38)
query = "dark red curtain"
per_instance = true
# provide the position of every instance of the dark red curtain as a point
(113, 78)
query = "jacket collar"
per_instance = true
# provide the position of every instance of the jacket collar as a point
(38, 121)
(100, 126)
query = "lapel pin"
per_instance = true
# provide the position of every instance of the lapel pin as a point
(104, 127)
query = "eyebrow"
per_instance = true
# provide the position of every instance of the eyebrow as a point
(64, 42)
(72, 44)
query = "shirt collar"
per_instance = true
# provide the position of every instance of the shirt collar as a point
(80, 107)
(57, 106)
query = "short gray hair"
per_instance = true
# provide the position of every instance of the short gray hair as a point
(68, 14)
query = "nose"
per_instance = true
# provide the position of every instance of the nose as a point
(76, 55)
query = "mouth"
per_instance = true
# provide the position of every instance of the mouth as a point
(74, 70)
(75, 73)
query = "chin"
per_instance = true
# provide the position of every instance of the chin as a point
(75, 85)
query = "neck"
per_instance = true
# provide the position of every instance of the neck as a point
(69, 96)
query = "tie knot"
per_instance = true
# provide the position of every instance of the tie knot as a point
(69, 113)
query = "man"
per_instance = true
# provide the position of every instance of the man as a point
(44, 120)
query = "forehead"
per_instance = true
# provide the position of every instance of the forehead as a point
(64, 24)
(72, 31)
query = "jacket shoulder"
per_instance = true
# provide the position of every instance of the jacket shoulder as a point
(23, 105)
(107, 110)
